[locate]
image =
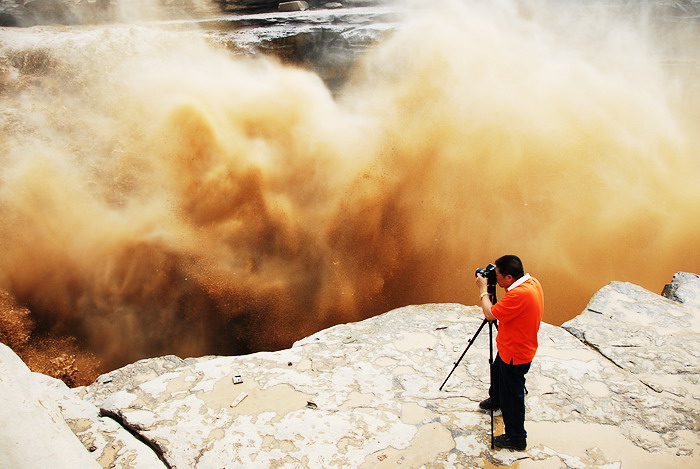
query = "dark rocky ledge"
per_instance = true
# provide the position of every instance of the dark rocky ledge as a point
(73, 12)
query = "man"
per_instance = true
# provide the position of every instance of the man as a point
(519, 314)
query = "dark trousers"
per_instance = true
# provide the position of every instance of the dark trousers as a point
(507, 391)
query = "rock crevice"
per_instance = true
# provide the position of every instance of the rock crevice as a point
(135, 430)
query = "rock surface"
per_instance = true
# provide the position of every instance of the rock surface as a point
(618, 386)
(293, 6)
(33, 433)
(71, 12)
(326, 41)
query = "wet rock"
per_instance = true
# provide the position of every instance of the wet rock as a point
(247, 6)
(326, 41)
(258, 6)
(74, 12)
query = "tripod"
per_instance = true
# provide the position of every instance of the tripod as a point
(491, 288)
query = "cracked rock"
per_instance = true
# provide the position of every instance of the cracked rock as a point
(617, 387)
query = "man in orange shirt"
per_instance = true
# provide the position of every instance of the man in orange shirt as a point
(519, 314)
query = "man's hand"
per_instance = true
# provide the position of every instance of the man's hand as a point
(484, 301)
(481, 283)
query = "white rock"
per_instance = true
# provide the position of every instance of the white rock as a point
(109, 442)
(295, 5)
(366, 394)
(33, 433)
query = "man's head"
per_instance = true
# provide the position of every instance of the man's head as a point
(509, 268)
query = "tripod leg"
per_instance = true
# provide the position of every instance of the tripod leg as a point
(490, 365)
(471, 341)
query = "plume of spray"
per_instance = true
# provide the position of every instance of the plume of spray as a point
(552, 133)
(159, 196)
(144, 10)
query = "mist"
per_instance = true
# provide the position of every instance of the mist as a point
(160, 196)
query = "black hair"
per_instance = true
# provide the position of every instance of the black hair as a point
(510, 265)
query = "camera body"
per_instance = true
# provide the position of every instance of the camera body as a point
(489, 272)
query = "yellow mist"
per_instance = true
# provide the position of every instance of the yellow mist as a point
(160, 196)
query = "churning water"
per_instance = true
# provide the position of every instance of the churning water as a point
(158, 195)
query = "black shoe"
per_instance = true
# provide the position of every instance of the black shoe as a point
(506, 442)
(486, 404)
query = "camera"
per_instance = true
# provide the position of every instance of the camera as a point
(489, 272)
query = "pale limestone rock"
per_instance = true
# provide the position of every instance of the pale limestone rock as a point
(33, 433)
(683, 289)
(367, 394)
(295, 5)
(110, 443)
(654, 342)
(647, 334)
